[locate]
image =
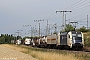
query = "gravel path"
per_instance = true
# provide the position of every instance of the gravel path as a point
(9, 54)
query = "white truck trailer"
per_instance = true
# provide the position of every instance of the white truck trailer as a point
(18, 42)
(27, 41)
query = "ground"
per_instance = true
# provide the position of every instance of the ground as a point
(10, 54)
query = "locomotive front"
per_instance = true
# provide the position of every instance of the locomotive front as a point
(77, 40)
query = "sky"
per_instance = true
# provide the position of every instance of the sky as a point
(17, 15)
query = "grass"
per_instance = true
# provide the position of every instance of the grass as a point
(51, 56)
(87, 39)
(83, 56)
(46, 54)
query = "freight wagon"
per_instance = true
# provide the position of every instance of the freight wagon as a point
(51, 41)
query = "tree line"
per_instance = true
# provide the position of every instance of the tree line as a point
(71, 28)
(6, 38)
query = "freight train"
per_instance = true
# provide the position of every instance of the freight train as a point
(64, 40)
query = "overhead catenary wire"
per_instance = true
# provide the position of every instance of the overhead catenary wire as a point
(54, 15)
(80, 6)
(77, 7)
(78, 12)
(49, 16)
(75, 4)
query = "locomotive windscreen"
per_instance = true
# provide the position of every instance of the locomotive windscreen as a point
(77, 37)
(63, 38)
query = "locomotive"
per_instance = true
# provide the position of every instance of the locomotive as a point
(71, 39)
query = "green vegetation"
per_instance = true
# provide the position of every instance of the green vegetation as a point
(83, 29)
(6, 38)
(69, 28)
(87, 39)
(2, 40)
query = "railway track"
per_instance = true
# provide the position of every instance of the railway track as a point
(84, 50)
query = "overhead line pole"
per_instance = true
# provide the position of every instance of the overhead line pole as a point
(39, 25)
(47, 28)
(63, 20)
(66, 20)
(87, 21)
(28, 26)
(74, 25)
(18, 31)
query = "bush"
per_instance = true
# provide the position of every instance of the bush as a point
(2, 40)
(87, 39)
(82, 29)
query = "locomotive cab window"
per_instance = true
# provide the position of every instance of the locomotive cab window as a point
(79, 35)
(73, 34)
